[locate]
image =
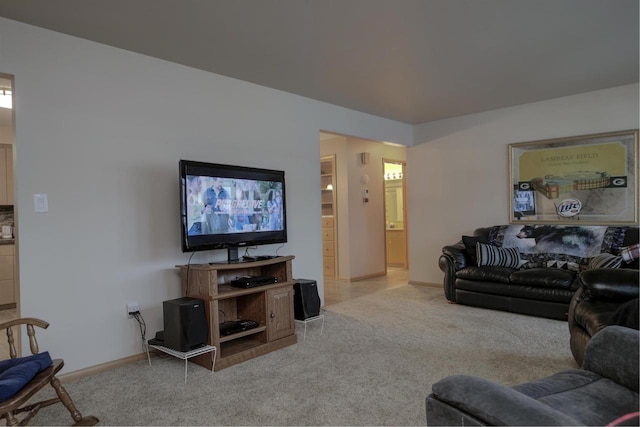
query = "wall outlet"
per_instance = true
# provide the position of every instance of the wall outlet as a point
(132, 307)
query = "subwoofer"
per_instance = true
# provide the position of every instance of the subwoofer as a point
(306, 301)
(185, 323)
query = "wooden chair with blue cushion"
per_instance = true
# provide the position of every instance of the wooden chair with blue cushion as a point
(22, 377)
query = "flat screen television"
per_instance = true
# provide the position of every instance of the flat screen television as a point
(225, 206)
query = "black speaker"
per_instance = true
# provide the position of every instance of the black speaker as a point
(185, 323)
(306, 301)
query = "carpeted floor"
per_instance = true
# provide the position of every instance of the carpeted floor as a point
(373, 365)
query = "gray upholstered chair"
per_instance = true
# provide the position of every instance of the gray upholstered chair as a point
(605, 389)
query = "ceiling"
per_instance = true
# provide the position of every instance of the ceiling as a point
(413, 61)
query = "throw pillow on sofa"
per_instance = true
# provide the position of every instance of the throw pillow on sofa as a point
(497, 257)
(470, 243)
(605, 260)
(630, 253)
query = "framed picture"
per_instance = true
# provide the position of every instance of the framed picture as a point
(587, 179)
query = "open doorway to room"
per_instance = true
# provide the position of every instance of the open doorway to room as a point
(353, 216)
(395, 213)
(328, 190)
(8, 265)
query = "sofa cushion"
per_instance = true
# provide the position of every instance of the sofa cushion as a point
(495, 404)
(497, 257)
(614, 353)
(505, 290)
(16, 373)
(544, 277)
(586, 396)
(470, 242)
(558, 383)
(485, 274)
(627, 314)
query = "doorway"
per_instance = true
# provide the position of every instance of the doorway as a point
(9, 301)
(395, 213)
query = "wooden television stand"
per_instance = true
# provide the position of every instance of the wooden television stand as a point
(269, 305)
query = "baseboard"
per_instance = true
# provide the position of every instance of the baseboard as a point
(433, 285)
(92, 370)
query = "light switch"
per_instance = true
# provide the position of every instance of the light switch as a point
(41, 203)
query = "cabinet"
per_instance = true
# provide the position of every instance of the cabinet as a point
(396, 248)
(270, 305)
(328, 247)
(6, 174)
(328, 198)
(7, 282)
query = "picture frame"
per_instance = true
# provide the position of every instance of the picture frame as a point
(585, 179)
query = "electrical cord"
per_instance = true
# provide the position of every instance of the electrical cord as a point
(279, 247)
(143, 328)
(188, 268)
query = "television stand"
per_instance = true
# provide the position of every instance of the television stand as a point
(271, 306)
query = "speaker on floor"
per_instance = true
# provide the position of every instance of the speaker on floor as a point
(306, 301)
(185, 323)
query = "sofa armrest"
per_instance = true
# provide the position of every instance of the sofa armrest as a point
(453, 258)
(495, 404)
(456, 254)
(616, 284)
(613, 353)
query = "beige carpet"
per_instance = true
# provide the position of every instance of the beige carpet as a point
(373, 365)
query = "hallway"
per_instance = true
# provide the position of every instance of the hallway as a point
(336, 291)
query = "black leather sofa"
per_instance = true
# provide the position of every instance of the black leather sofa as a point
(606, 297)
(604, 391)
(540, 291)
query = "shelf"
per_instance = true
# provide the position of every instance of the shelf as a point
(228, 291)
(246, 333)
(239, 345)
(224, 265)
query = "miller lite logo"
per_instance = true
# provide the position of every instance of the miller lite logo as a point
(569, 207)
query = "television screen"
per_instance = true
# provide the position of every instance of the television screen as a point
(226, 206)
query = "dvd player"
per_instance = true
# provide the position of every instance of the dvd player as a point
(253, 281)
(258, 257)
(233, 326)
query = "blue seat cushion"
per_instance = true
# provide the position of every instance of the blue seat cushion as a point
(16, 373)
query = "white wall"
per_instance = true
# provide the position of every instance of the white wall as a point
(457, 170)
(100, 131)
